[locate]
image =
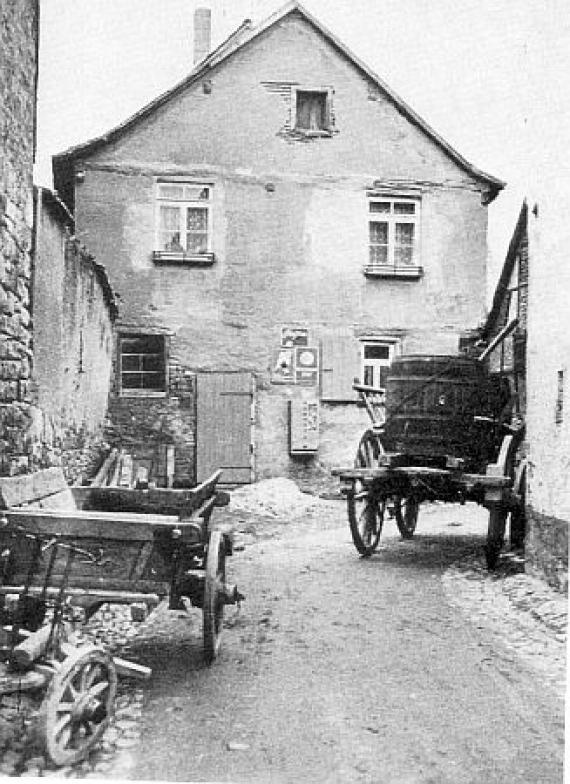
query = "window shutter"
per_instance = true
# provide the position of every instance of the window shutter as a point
(340, 353)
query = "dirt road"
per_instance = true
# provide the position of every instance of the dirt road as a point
(339, 669)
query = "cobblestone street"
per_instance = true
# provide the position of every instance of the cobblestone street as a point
(523, 623)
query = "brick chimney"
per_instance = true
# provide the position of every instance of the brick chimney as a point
(202, 33)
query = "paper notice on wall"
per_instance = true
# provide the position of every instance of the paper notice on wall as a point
(282, 370)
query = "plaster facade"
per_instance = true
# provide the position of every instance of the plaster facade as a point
(74, 312)
(548, 366)
(290, 233)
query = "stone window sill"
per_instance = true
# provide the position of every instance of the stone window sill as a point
(141, 393)
(323, 133)
(403, 273)
(187, 259)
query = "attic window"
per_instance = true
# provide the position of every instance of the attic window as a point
(312, 112)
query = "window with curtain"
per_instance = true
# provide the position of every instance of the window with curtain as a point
(393, 226)
(312, 111)
(184, 221)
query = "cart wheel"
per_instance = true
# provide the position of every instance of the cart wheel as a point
(78, 705)
(406, 510)
(213, 605)
(365, 517)
(369, 449)
(495, 535)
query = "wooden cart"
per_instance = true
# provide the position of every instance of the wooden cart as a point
(442, 430)
(71, 555)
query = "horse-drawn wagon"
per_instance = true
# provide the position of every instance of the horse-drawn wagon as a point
(83, 547)
(443, 430)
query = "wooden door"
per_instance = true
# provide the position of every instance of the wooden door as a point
(223, 426)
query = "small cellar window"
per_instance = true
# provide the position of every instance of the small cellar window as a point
(142, 360)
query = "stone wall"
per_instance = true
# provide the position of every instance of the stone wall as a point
(18, 81)
(147, 427)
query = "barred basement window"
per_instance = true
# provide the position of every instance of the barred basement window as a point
(142, 364)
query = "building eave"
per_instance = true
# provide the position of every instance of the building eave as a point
(240, 38)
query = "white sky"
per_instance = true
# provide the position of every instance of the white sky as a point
(490, 76)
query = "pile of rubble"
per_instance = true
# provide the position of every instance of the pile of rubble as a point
(277, 497)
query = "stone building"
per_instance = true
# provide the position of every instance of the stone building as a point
(18, 85)
(56, 306)
(277, 224)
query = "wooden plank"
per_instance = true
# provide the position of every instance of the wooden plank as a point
(11, 682)
(91, 524)
(147, 591)
(27, 488)
(223, 427)
(101, 475)
(126, 473)
(340, 364)
(157, 500)
(141, 561)
(116, 472)
(25, 653)
(127, 669)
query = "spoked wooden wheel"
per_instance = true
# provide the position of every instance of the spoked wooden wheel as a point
(495, 535)
(369, 449)
(213, 606)
(365, 517)
(78, 705)
(406, 510)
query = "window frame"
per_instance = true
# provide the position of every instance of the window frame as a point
(327, 92)
(393, 350)
(132, 334)
(392, 268)
(183, 204)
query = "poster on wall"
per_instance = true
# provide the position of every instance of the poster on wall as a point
(282, 371)
(294, 336)
(307, 366)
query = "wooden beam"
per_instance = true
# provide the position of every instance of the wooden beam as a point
(102, 473)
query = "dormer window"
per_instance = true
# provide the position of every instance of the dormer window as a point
(312, 111)
(184, 222)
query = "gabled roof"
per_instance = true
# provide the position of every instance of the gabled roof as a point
(506, 272)
(240, 38)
